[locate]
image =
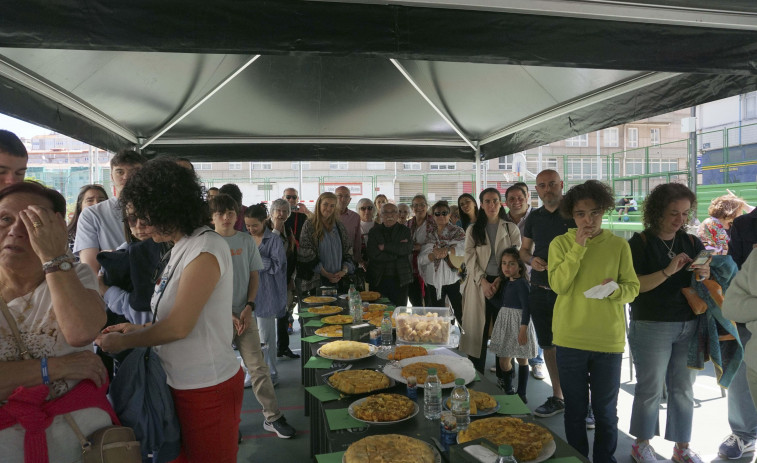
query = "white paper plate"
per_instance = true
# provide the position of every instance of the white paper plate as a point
(351, 411)
(460, 366)
(372, 351)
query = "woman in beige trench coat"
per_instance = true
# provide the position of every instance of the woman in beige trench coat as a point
(484, 243)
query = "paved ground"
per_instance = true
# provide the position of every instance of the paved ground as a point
(710, 417)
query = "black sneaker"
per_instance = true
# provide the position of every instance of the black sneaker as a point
(280, 427)
(288, 353)
(551, 407)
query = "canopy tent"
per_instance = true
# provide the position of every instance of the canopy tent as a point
(417, 79)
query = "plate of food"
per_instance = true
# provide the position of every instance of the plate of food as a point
(330, 331)
(347, 350)
(383, 409)
(375, 307)
(448, 368)
(337, 319)
(369, 296)
(402, 352)
(391, 447)
(481, 404)
(531, 443)
(318, 299)
(357, 382)
(325, 309)
(375, 318)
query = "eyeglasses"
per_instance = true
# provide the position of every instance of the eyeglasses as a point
(444, 214)
(366, 208)
(291, 196)
(131, 219)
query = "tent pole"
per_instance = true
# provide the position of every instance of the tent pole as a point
(191, 109)
(478, 171)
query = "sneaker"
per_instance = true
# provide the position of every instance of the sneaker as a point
(289, 354)
(537, 371)
(551, 407)
(247, 380)
(686, 455)
(280, 427)
(643, 452)
(734, 447)
(590, 423)
(493, 369)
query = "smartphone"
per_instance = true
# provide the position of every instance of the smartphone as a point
(701, 258)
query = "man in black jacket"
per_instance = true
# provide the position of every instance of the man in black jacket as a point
(389, 247)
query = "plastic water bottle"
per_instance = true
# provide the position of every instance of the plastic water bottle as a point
(506, 455)
(386, 330)
(356, 305)
(460, 401)
(432, 396)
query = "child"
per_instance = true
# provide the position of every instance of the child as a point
(513, 334)
(246, 261)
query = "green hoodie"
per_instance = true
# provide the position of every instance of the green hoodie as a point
(590, 324)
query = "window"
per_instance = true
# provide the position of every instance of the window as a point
(203, 165)
(506, 163)
(580, 140)
(662, 165)
(634, 167)
(580, 168)
(339, 165)
(375, 165)
(262, 165)
(443, 166)
(411, 166)
(611, 136)
(484, 165)
(750, 105)
(305, 165)
(654, 136)
(235, 166)
(633, 137)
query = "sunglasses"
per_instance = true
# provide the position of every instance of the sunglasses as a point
(444, 214)
(131, 219)
(366, 208)
(291, 196)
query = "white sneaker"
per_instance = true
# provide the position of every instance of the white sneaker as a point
(643, 453)
(493, 369)
(247, 380)
(537, 371)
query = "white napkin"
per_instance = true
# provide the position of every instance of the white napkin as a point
(601, 291)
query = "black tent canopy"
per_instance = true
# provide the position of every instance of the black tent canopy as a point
(417, 79)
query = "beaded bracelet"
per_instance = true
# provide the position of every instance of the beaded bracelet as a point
(45, 374)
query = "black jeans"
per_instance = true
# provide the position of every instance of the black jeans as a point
(282, 336)
(415, 292)
(452, 292)
(390, 287)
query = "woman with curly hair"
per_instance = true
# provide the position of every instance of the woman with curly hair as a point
(662, 323)
(713, 231)
(325, 253)
(193, 300)
(589, 332)
(89, 195)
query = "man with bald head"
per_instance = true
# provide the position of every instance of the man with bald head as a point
(389, 248)
(350, 219)
(13, 158)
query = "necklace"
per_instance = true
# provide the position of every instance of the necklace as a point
(671, 254)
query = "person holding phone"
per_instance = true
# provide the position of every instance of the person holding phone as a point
(662, 323)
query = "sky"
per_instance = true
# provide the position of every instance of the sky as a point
(21, 128)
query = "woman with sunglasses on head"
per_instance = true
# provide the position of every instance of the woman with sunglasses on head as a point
(193, 301)
(484, 243)
(442, 240)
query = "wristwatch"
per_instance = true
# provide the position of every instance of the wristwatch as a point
(63, 263)
(251, 304)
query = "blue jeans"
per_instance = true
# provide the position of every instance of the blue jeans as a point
(538, 360)
(660, 351)
(742, 415)
(575, 367)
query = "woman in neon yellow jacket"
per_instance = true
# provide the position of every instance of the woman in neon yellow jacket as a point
(589, 332)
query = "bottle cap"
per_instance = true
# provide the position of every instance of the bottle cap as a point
(431, 371)
(505, 451)
(460, 382)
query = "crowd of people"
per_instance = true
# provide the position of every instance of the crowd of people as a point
(195, 274)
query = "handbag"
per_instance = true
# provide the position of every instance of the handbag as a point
(111, 444)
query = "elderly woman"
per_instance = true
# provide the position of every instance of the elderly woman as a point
(442, 240)
(662, 323)
(714, 230)
(419, 205)
(366, 210)
(58, 312)
(404, 212)
(590, 332)
(193, 299)
(484, 243)
(389, 248)
(280, 210)
(325, 253)
(89, 195)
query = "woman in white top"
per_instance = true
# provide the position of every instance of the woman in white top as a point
(193, 300)
(443, 242)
